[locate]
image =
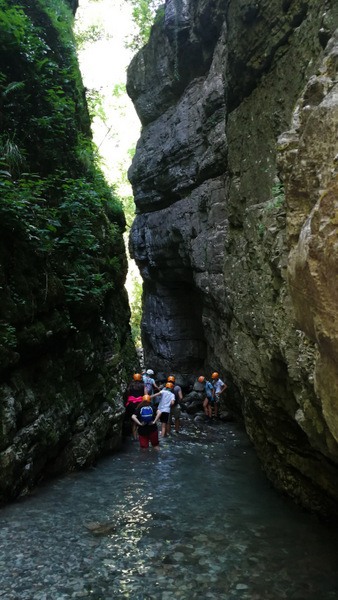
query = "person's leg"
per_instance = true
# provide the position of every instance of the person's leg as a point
(134, 429)
(205, 406)
(169, 422)
(144, 441)
(153, 437)
(210, 410)
(216, 407)
(177, 414)
(164, 418)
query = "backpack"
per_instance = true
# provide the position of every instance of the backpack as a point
(146, 414)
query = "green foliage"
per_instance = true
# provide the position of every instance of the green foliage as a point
(96, 102)
(7, 334)
(136, 310)
(62, 256)
(92, 34)
(62, 19)
(127, 199)
(11, 158)
(119, 90)
(278, 196)
(68, 235)
(144, 14)
(41, 99)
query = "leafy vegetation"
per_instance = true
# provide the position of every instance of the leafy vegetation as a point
(92, 34)
(136, 310)
(110, 108)
(65, 234)
(144, 14)
(278, 196)
(41, 99)
(59, 219)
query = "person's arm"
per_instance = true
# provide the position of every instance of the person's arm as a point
(157, 394)
(156, 386)
(180, 396)
(134, 418)
(224, 387)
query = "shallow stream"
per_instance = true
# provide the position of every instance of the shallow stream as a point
(195, 521)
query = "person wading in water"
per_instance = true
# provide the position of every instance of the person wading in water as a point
(209, 396)
(145, 419)
(135, 393)
(175, 409)
(219, 387)
(149, 382)
(167, 400)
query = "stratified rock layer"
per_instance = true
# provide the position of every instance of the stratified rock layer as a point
(215, 88)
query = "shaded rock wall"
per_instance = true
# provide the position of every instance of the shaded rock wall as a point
(65, 345)
(215, 231)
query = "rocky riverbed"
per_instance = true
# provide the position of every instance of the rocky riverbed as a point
(195, 521)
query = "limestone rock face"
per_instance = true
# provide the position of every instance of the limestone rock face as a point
(221, 244)
(309, 159)
(66, 352)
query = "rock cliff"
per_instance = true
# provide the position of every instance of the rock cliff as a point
(65, 346)
(235, 183)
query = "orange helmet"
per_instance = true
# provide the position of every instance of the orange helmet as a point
(171, 378)
(146, 398)
(214, 375)
(201, 379)
(137, 377)
(169, 385)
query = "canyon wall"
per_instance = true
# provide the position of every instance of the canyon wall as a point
(65, 346)
(235, 184)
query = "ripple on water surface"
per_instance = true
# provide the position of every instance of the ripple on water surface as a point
(195, 521)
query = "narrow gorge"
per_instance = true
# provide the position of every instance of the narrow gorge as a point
(235, 184)
(235, 179)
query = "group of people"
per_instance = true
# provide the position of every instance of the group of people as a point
(146, 407)
(212, 394)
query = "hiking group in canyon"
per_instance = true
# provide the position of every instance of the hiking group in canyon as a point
(145, 408)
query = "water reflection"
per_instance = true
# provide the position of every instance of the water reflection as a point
(195, 521)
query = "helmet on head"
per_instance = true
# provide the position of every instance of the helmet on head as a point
(146, 398)
(150, 372)
(137, 377)
(214, 375)
(201, 379)
(171, 378)
(169, 385)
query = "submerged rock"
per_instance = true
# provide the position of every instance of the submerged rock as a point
(101, 529)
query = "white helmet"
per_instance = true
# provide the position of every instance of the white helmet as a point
(150, 372)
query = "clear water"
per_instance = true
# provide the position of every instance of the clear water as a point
(195, 521)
